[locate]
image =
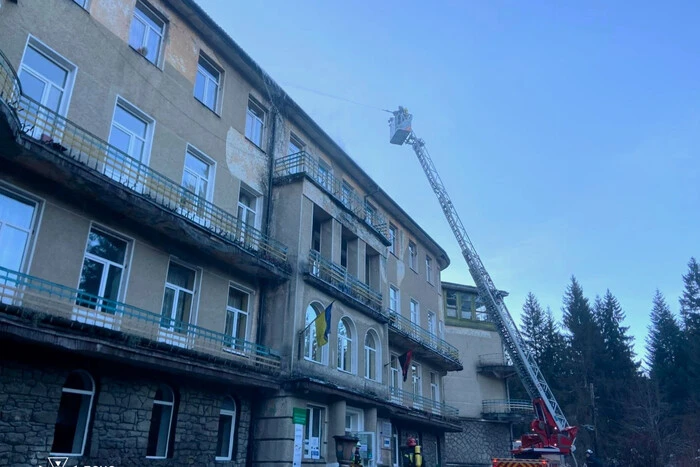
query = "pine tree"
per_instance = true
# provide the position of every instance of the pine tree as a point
(690, 313)
(533, 327)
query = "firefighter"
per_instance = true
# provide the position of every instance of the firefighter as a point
(592, 460)
(411, 456)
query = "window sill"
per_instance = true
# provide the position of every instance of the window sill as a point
(307, 359)
(209, 109)
(223, 459)
(156, 457)
(160, 69)
(345, 371)
(63, 454)
(255, 145)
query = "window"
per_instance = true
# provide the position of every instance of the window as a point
(372, 360)
(432, 324)
(345, 350)
(370, 213)
(147, 29)
(103, 269)
(429, 269)
(255, 123)
(247, 213)
(354, 420)
(481, 314)
(313, 431)
(435, 387)
(197, 177)
(451, 303)
(312, 351)
(207, 82)
(82, 3)
(131, 133)
(324, 174)
(415, 312)
(16, 225)
(416, 382)
(74, 410)
(227, 430)
(394, 299)
(465, 307)
(161, 423)
(393, 238)
(347, 194)
(295, 145)
(236, 318)
(412, 256)
(178, 298)
(395, 379)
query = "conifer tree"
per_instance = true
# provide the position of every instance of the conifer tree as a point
(533, 327)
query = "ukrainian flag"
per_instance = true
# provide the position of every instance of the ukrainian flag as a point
(323, 326)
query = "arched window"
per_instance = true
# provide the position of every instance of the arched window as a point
(312, 351)
(372, 356)
(227, 430)
(74, 413)
(345, 349)
(161, 422)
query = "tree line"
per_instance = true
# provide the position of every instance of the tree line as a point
(631, 410)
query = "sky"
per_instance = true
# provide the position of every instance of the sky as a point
(566, 133)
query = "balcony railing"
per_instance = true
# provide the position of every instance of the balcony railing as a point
(302, 162)
(339, 277)
(422, 336)
(507, 407)
(72, 141)
(32, 293)
(10, 89)
(414, 401)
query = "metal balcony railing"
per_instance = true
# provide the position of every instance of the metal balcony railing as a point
(33, 293)
(507, 407)
(422, 336)
(59, 133)
(303, 162)
(10, 88)
(414, 401)
(339, 277)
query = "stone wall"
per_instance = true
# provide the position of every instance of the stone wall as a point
(118, 433)
(477, 444)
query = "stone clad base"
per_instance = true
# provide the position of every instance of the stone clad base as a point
(480, 442)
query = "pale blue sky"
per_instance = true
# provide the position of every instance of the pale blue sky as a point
(567, 134)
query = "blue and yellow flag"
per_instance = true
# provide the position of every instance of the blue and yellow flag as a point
(323, 326)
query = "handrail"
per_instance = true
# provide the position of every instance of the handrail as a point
(23, 290)
(415, 401)
(423, 336)
(506, 406)
(339, 277)
(10, 86)
(73, 141)
(303, 162)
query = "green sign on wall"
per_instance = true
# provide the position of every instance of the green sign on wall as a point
(299, 416)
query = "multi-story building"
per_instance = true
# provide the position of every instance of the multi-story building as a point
(480, 390)
(171, 225)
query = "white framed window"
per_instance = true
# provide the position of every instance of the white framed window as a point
(394, 305)
(372, 356)
(296, 145)
(161, 423)
(198, 173)
(432, 323)
(354, 420)
(131, 133)
(370, 212)
(312, 351)
(429, 269)
(227, 430)
(416, 385)
(395, 377)
(415, 312)
(237, 317)
(178, 298)
(347, 193)
(207, 84)
(248, 202)
(325, 174)
(345, 345)
(18, 216)
(85, 4)
(393, 238)
(412, 256)
(255, 123)
(103, 272)
(314, 431)
(435, 387)
(394, 446)
(147, 32)
(73, 418)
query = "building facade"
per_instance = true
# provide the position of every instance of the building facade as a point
(479, 391)
(172, 228)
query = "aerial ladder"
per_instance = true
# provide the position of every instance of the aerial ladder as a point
(550, 432)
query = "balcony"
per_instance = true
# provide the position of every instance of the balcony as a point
(287, 168)
(496, 364)
(416, 402)
(425, 345)
(507, 410)
(87, 168)
(339, 283)
(41, 301)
